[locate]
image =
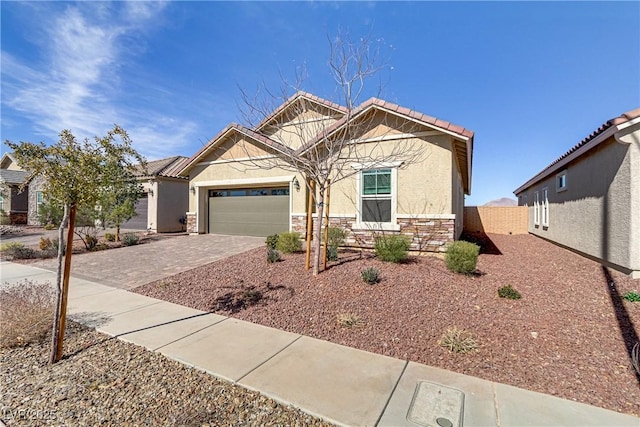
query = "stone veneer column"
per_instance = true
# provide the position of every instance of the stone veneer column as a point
(192, 223)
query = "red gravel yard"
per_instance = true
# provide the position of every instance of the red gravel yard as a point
(570, 334)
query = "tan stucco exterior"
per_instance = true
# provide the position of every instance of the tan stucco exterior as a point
(598, 213)
(426, 185)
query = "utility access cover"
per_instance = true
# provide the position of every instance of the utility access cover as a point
(435, 405)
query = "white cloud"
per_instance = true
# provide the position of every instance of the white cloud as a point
(76, 83)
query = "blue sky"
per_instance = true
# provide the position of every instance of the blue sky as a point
(530, 78)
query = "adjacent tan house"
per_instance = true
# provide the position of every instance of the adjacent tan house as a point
(230, 193)
(165, 198)
(588, 200)
(14, 201)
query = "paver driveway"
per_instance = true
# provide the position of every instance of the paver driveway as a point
(132, 266)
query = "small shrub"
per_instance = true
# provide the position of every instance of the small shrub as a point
(130, 239)
(394, 248)
(17, 250)
(508, 292)
(272, 241)
(289, 242)
(90, 241)
(336, 236)
(349, 320)
(109, 237)
(49, 227)
(48, 253)
(10, 246)
(332, 253)
(462, 257)
(27, 313)
(45, 243)
(370, 275)
(273, 255)
(631, 296)
(458, 340)
(4, 218)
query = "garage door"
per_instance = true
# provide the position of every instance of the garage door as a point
(139, 221)
(249, 211)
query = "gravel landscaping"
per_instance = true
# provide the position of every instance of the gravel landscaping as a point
(104, 381)
(569, 335)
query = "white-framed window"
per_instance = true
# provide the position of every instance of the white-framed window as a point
(39, 200)
(545, 207)
(561, 181)
(1, 202)
(375, 196)
(536, 208)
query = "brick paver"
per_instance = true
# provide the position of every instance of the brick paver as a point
(132, 266)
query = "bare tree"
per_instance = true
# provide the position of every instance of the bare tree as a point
(327, 142)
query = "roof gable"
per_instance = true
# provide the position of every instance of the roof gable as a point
(300, 101)
(9, 162)
(229, 131)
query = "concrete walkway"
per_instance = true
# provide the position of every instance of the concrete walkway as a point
(340, 384)
(155, 260)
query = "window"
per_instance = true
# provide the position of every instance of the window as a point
(536, 208)
(545, 207)
(376, 195)
(1, 202)
(39, 200)
(525, 202)
(561, 181)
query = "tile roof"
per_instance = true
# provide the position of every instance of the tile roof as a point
(553, 166)
(432, 122)
(623, 118)
(13, 176)
(396, 109)
(168, 167)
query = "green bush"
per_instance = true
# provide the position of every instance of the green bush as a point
(394, 248)
(508, 292)
(289, 242)
(462, 257)
(370, 276)
(332, 253)
(49, 227)
(272, 255)
(336, 236)
(130, 239)
(631, 296)
(109, 237)
(272, 241)
(10, 246)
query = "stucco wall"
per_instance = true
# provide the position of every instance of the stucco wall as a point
(594, 214)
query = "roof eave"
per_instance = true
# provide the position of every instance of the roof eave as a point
(580, 151)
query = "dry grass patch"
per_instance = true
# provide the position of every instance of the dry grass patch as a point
(27, 313)
(458, 340)
(349, 320)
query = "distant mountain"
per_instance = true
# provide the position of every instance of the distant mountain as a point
(505, 201)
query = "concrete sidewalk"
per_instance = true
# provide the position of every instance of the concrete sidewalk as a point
(340, 384)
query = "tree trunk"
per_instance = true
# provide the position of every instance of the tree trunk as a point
(317, 244)
(117, 232)
(56, 318)
(65, 283)
(312, 188)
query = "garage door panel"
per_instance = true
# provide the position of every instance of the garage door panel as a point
(249, 215)
(139, 221)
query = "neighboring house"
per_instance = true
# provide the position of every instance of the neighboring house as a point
(14, 200)
(588, 200)
(165, 200)
(423, 200)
